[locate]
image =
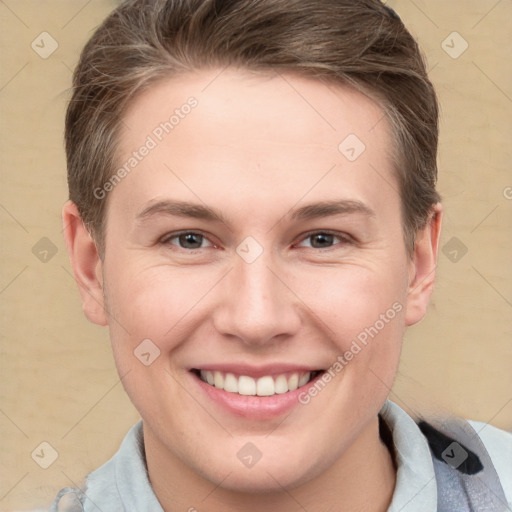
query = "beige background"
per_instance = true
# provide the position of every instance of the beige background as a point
(59, 382)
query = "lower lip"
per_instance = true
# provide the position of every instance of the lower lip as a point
(259, 408)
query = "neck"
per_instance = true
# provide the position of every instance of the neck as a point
(362, 479)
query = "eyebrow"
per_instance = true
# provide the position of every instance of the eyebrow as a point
(181, 209)
(307, 212)
(327, 208)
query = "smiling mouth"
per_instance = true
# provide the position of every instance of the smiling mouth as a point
(267, 385)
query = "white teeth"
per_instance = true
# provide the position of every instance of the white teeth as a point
(304, 379)
(246, 385)
(264, 386)
(293, 382)
(281, 384)
(208, 377)
(218, 380)
(231, 383)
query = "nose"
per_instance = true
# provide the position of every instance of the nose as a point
(257, 306)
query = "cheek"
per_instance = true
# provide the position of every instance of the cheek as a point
(355, 302)
(155, 310)
(361, 310)
(153, 300)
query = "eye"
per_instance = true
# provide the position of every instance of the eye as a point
(188, 240)
(323, 240)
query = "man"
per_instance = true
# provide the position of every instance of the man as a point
(253, 214)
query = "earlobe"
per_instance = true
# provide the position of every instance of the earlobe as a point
(86, 264)
(423, 267)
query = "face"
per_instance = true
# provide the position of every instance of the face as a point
(257, 248)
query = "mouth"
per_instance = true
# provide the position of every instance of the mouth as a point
(263, 386)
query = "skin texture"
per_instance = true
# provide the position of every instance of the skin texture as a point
(257, 148)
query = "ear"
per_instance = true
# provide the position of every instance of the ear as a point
(422, 271)
(86, 264)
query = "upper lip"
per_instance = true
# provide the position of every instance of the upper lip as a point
(257, 371)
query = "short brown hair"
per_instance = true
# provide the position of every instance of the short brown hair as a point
(360, 43)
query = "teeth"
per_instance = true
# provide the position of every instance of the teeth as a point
(209, 378)
(281, 384)
(303, 379)
(264, 386)
(231, 383)
(293, 382)
(218, 380)
(246, 385)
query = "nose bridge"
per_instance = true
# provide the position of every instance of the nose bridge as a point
(257, 306)
(257, 287)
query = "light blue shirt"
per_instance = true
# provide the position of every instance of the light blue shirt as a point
(122, 484)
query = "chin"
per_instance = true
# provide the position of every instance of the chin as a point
(265, 480)
(267, 475)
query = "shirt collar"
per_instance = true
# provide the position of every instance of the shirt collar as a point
(415, 487)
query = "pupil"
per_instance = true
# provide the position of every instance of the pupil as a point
(322, 240)
(190, 241)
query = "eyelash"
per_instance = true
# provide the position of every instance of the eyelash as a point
(343, 238)
(167, 239)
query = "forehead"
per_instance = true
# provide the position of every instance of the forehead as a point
(266, 135)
